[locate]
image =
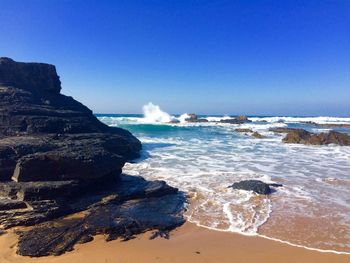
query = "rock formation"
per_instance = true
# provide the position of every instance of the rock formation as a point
(56, 158)
(301, 136)
(258, 135)
(256, 186)
(244, 130)
(236, 120)
(194, 118)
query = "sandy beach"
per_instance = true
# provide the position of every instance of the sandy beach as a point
(188, 243)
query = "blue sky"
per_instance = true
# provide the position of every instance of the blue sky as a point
(235, 57)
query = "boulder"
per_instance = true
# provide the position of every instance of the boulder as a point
(256, 186)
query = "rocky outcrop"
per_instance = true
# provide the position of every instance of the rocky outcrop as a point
(258, 135)
(194, 118)
(31, 103)
(256, 186)
(56, 158)
(301, 136)
(236, 120)
(128, 207)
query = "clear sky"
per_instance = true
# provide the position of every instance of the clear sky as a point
(234, 57)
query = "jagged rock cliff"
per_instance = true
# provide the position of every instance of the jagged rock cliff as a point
(57, 158)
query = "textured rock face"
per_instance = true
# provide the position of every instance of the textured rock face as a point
(30, 76)
(301, 136)
(46, 136)
(31, 103)
(56, 158)
(121, 210)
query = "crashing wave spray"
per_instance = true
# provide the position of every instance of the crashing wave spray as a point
(152, 113)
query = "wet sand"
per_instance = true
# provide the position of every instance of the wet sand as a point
(188, 243)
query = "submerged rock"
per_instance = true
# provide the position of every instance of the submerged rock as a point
(282, 130)
(243, 130)
(256, 186)
(258, 135)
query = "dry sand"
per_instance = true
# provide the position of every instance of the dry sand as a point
(188, 243)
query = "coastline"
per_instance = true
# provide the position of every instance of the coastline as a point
(188, 243)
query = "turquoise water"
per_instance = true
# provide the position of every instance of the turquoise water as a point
(203, 159)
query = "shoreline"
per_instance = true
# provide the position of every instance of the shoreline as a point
(275, 240)
(188, 243)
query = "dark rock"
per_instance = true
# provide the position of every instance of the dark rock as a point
(46, 136)
(30, 102)
(243, 130)
(298, 136)
(276, 185)
(8, 204)
(301, 136)
(174, 121)
(194, 118)
(236, 120)
(152, 206)
(258, 135)
(282, 130)
(191, 117)
(32, 76)
(256, 186)
(57, 159)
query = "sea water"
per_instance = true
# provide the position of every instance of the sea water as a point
(312, 209)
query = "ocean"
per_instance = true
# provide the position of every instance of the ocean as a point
(311, 210)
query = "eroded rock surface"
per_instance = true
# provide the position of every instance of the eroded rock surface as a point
(122, 210)
(56, 159)
(301, 136)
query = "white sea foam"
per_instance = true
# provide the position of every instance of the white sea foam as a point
(153, 113)
(319, 120)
